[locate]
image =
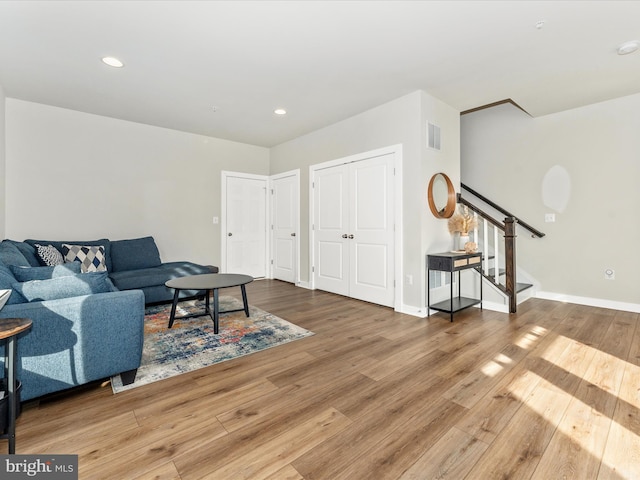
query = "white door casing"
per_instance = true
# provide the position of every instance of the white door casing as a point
(244, 224)
(285, 200)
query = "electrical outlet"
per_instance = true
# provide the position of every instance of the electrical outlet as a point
(609, 274)
(215, 220)
(549, 217)
(409, 279)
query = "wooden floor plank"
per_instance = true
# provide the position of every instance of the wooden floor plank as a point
(274, 455)
(450, 458)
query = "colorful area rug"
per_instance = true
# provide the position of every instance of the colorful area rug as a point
(191, 344)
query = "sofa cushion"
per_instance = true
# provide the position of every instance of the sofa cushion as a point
(134, 254)
(48, 255)
(149, 277)
(26, 274)
(10, 255)
(64, 287)
(104, 242)
(7, 279)
(28, 251)
(91, 258)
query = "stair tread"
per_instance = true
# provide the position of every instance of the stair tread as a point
(519, 286)
(492, 271)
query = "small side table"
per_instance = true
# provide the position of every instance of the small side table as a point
(10, 328)
(453, 262)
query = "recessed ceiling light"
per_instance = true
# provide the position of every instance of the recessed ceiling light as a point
(628, 47)
(113, 62)
(280, 111)
(540, 24)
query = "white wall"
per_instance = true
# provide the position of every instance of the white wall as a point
(506, 156)
(2, 162)
(72, 175)
(398, 122)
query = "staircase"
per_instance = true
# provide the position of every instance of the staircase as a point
(497, 239)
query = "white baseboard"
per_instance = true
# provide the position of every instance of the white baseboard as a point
(591, 302)
(411, 310)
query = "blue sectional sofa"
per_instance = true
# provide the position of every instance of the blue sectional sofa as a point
(86, 325)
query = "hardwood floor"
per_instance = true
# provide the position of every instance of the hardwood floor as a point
(550, 392)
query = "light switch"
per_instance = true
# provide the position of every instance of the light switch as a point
(549, 217)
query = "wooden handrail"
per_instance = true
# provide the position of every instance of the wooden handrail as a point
(534, 232)
(479, 211)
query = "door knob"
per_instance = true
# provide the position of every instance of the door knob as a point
(230, 234)
(293, 234)
(344, 235)
(350, 236)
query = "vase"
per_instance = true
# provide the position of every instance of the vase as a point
(462, 239)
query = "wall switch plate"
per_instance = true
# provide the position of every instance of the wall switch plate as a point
(549, 217)
(215, 220)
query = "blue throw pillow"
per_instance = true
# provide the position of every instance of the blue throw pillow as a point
(6, 282)
(26, 274)
(64, 287)
(134, 254)
(28, 251)
(11, 255)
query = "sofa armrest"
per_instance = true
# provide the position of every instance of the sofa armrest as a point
(77, 340)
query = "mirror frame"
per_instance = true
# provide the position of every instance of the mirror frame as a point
(450, 207)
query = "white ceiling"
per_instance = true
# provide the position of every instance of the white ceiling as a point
(323, 61)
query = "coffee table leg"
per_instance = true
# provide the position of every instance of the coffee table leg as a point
(215, 310)
(244, 300)
(172, 317)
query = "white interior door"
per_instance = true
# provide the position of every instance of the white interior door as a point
(331, 217)
(246, 225)
(371, 214)
(354, 230)
(284, 223)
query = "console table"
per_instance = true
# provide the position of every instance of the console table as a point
(9, 330)
(453, 262)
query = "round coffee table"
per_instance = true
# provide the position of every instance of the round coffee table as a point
(209, 282)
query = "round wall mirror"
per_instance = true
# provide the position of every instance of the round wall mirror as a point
(442, 196)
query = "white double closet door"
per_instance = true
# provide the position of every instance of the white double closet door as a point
(354, 229)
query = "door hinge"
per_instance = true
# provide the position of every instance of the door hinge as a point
(313, 269)
(272, 191)
(272, 261)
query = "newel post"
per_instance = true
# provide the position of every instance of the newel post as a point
(510, 260)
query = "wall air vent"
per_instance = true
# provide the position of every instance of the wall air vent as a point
(433, 136)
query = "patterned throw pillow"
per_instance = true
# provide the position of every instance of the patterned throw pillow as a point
(49, 255)
(91, 258)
